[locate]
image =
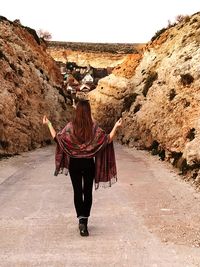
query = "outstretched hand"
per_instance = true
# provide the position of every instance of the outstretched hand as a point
(45, 120)
(118, 123)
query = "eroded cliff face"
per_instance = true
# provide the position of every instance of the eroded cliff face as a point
(97, 55)
(158, 94)
(82, 58)
(30, 86)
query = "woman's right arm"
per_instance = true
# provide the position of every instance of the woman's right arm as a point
(51, 129)
(114, 129)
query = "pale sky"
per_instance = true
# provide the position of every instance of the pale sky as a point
(111, 21)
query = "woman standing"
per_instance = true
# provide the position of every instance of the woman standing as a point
(87, 152)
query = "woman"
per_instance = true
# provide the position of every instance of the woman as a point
(87, 152)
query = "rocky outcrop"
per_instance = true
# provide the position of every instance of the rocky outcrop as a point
(31, 86)
(111, 97)
(162, 96)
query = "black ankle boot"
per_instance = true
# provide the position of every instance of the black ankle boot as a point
(83, 227)
(83, 221)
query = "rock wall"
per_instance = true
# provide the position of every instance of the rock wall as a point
(109, 100)
(159, 96)
(30, 86)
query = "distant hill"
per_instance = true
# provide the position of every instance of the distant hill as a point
(116, 48)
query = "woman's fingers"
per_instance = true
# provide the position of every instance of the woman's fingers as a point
(120, 121)
(45, 120)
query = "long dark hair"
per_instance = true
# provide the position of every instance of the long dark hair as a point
(82, 122)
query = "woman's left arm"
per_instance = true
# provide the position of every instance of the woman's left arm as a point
(113, 132)
(51, 129)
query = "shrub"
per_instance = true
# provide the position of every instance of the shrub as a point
(154, 147)
(170, 24)
(194, 20)
(161, 154)
(179, 18)
(182, 18)
(33, 33)
(158, 33)
(187, 18)
(45, 35)
(3, 18)
(176, 156)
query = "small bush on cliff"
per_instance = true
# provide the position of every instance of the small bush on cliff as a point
(182, 18)
(158, 33)
(45, 35)
(178, 19)
(149, 82)
(33, 33)
(194, 20)
(2, 18)
(154, 147)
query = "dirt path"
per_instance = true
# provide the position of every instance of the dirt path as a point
(150, 218)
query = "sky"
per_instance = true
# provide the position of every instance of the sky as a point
(103, 21)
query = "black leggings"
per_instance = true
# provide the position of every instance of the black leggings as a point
(82, 172)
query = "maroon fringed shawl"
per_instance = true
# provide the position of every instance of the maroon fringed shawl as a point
(99, 147)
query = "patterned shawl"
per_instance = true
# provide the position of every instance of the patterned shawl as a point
(99, 147)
